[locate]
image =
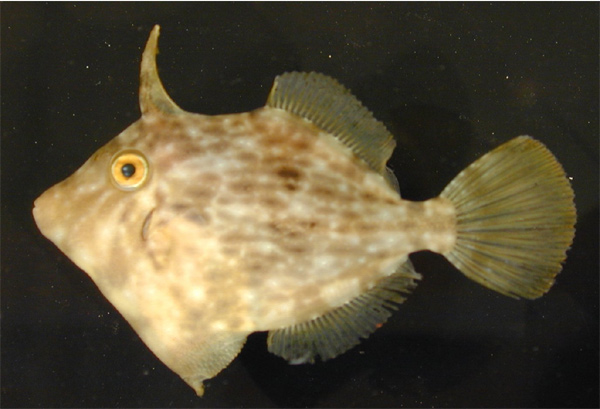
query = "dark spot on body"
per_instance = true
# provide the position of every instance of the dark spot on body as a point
(258, 125)
(201, 194)
(229, 250)
(176, 292)
(308, 224)
(350, 214)
(272, 202)
(214, 128)
(249, 185)
(368, 196)
(383, 254)
(326, 179)
(342, 249)
(325, 209)
(287, 172)
(255, 265)
(235, 322)
(408, 225)
(309, 295)
(241, 186)
(235, 237)
(295, 248)
(290, 186)
(247, 156)
(350, 171)
(124, 216)
(225, 305)
(255, 255)
(415, 209)
(273, 160)
(302, 162)
(213, 275)
(197, 218)
(323, 191)
(209, 178)
(301, 144)
(237, 120)
(357, 227)
(219, 146)
(225, 200)
(272, 139)
(274, 226)
(232, 237)
(286, 231)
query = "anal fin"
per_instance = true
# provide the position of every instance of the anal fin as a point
(340, 329)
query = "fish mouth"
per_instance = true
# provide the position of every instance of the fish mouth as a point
(36, 210)
(41, 214)
(48, 214)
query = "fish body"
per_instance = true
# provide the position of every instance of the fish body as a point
(203, 229)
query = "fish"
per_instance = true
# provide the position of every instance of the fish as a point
(201, 230)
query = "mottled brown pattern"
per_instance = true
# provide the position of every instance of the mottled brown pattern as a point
(288, 172)
(248, 222)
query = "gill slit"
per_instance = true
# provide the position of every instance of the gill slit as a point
(146, 225)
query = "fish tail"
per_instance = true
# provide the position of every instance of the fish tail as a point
(515, 219)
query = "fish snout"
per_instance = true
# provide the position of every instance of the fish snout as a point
(46, 215)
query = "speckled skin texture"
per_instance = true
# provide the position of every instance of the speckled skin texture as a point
(201, 230)
(243, 222)
(436, 75)
(247, 222)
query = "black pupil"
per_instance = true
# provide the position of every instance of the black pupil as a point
(128, 170)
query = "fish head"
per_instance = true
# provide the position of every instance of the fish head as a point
(97, 214)
(100, 215)
(126, 216)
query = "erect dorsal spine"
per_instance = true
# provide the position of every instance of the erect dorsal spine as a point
(153, 97)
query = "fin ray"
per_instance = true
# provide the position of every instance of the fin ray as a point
(331, 107)
(515, 219)
(342, 328)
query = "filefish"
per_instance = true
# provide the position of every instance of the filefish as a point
(203, 229)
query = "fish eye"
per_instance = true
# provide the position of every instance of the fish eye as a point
(129, 169)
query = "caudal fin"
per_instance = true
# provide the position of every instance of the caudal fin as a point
(515, 218)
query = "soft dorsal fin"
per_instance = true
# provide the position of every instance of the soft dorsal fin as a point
(340, 329)
(153, 97)
(331, 107)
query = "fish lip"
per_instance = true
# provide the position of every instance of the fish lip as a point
(38, 210)
(35, 212)
(36, 202)
(146, 224)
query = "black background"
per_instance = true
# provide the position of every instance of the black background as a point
(451, 81)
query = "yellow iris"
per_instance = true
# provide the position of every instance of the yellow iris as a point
(129, 169)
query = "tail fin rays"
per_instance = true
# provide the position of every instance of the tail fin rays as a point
(515, 219)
